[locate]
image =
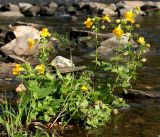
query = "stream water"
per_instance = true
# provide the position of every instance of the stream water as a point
(143, 118)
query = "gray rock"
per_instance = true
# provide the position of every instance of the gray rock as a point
(112, 6)
(133, 4)
(32, 11)
(48, 9)
(149, 5)
(11, 14)
(95, 7)
(143, 94)
(123, 11)
(23, 30)
(19, 46)
(107, 11)
(10, 7)
(24, 6)
(105, 50)
(61, 62)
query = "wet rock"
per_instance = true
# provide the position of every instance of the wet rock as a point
(74, 34)
(32, 11)
(11, 14)
(10, 7)
(61, 62)
(35, 25)
(48, 9)
(143, 94)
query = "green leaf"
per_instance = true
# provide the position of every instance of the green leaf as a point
(59, 74)
(47, 118)
(44, 92)
(116, 58)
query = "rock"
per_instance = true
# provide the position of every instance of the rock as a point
(25, 6)
(61, 62)
(96, 7)
(71, 10)
(32, 11)
(9, 7)
(143, 94)
(107, 11)
(112, 6)
(11, 14)
(23, 30)
(150, 5)
(105, 50)
(74, 34)
(132, 4)
(35, 25)
(123, 7)
(48, 9)
(19, 46)
(73, 18)
(123, 11)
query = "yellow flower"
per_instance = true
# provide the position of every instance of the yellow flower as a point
(31, 43)
(129, 16)
(17, 69)
(148, 45)
(106, 18)
(118, 21)
(118, 31)
(141, 40)
(84, 88)
(45, 33)
(40, 69)
(137, 26)
(144, 60)
(88, 23)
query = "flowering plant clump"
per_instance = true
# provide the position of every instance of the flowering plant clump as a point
(85, 99)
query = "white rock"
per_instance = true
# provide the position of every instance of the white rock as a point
(61, 62)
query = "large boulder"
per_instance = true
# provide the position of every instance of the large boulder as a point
(11, 14)
(105, 50)
(48, 9)
(19, 46)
